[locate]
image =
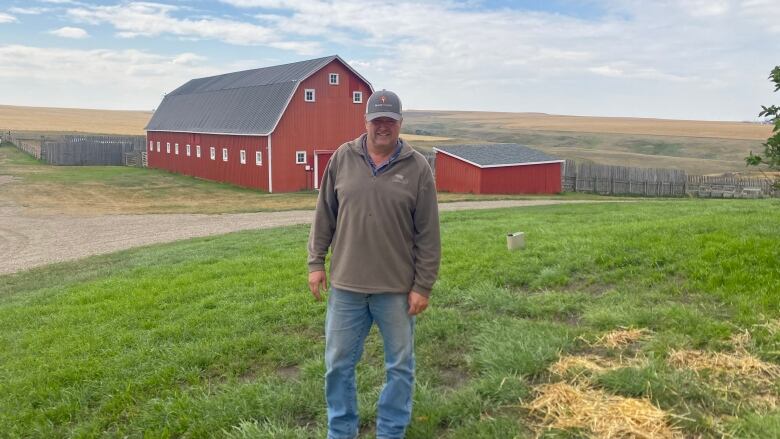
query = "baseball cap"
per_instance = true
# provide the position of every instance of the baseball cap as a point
(383, 103)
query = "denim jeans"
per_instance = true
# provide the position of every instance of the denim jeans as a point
(349, 318)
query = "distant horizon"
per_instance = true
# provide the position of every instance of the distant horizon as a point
(757, 122)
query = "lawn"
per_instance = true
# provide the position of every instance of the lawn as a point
(218, 337)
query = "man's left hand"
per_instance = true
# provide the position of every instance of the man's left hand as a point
(417, 303)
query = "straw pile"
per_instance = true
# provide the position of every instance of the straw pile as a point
(741, 364)
(622, 337)
(564, 406)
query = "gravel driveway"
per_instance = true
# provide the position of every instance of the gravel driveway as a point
(28, 241)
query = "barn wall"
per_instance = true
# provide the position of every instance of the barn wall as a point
(232, 171)
(323, 125)
(453, 175)
(526, 179)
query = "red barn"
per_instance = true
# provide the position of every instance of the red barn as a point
(501, 168)
(272, 128)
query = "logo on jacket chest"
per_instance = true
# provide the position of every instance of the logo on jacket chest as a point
(399, 178)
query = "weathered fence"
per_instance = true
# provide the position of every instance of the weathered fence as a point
(90, 150)
(654, 182)
(30, 144)
(730, 187)
(622, 180)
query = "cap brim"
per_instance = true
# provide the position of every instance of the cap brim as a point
(391, 115)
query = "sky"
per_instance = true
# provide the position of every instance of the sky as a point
(674, 59)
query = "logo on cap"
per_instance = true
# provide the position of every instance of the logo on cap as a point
(382, 98)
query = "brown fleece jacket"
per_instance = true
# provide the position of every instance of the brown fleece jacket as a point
(383, 230)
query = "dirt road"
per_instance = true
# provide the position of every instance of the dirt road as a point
(30, 240)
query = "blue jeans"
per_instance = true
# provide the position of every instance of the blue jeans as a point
(349, 318)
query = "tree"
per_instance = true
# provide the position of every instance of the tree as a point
(771, 156)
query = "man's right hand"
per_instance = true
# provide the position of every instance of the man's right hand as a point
(317, 280)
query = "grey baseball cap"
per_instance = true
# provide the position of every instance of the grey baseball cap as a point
(383, 103)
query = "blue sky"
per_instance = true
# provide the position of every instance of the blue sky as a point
(681, 59)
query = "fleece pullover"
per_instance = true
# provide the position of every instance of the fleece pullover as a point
(383, 230)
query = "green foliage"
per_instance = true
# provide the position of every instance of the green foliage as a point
(771, 156)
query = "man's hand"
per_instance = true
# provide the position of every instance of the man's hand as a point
(417, 303)
(317, 280)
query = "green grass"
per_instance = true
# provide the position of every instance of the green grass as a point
(218, 337)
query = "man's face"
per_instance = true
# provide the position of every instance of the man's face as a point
(383, 132)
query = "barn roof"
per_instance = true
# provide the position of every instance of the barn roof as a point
(247, 102)
(497, 154)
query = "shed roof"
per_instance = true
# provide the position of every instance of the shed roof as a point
(497, 154)
(246, 102)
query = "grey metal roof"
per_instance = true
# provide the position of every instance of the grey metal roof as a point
(496, 154)
(247, 102)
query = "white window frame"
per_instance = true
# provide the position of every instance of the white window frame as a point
(189, 150)
(259, 158)
(167, 147)
(197, 151)
(313, 95)
(298, 157)
(151, 145)
(242, 157)
(176, 148)
(333, 78)
(213, 153)
(357, 97)
(158, 146)
(224, 154)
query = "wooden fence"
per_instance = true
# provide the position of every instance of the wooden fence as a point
(77, 150)
(90, 150)
(654, 182)
(621, 180)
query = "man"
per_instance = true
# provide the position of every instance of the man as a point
(377, 213)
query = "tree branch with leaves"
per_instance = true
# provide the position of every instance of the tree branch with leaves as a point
(771, 157)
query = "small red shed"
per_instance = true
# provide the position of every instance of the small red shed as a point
(500, 168)
(272, 128)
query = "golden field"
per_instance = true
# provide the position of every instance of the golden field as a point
(66, 120)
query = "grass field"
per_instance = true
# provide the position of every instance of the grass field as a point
(699, 147)
(673, 306)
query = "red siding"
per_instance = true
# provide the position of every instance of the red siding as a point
(526, 179)
(232, 171)
(453, 175)
(323, 125)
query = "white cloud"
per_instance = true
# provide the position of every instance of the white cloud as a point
(7, 18)
(189, 59)
(70, 32)
(153, 19)
(100, 78)
(28, 11)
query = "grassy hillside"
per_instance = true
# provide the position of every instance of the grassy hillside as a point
(696, 146)
(218, 337)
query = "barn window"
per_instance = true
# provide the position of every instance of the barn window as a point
(308, 95)
(224, 154)
(243, 157)
(158, 146)
(197, 151)
(151, 146)
(213, 153)
(300, 157)
(188, 150)
(168, 147)
(357, 97)
(334, 79)
(258, 158)
(176, 148)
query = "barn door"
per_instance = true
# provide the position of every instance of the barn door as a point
(321, 159)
